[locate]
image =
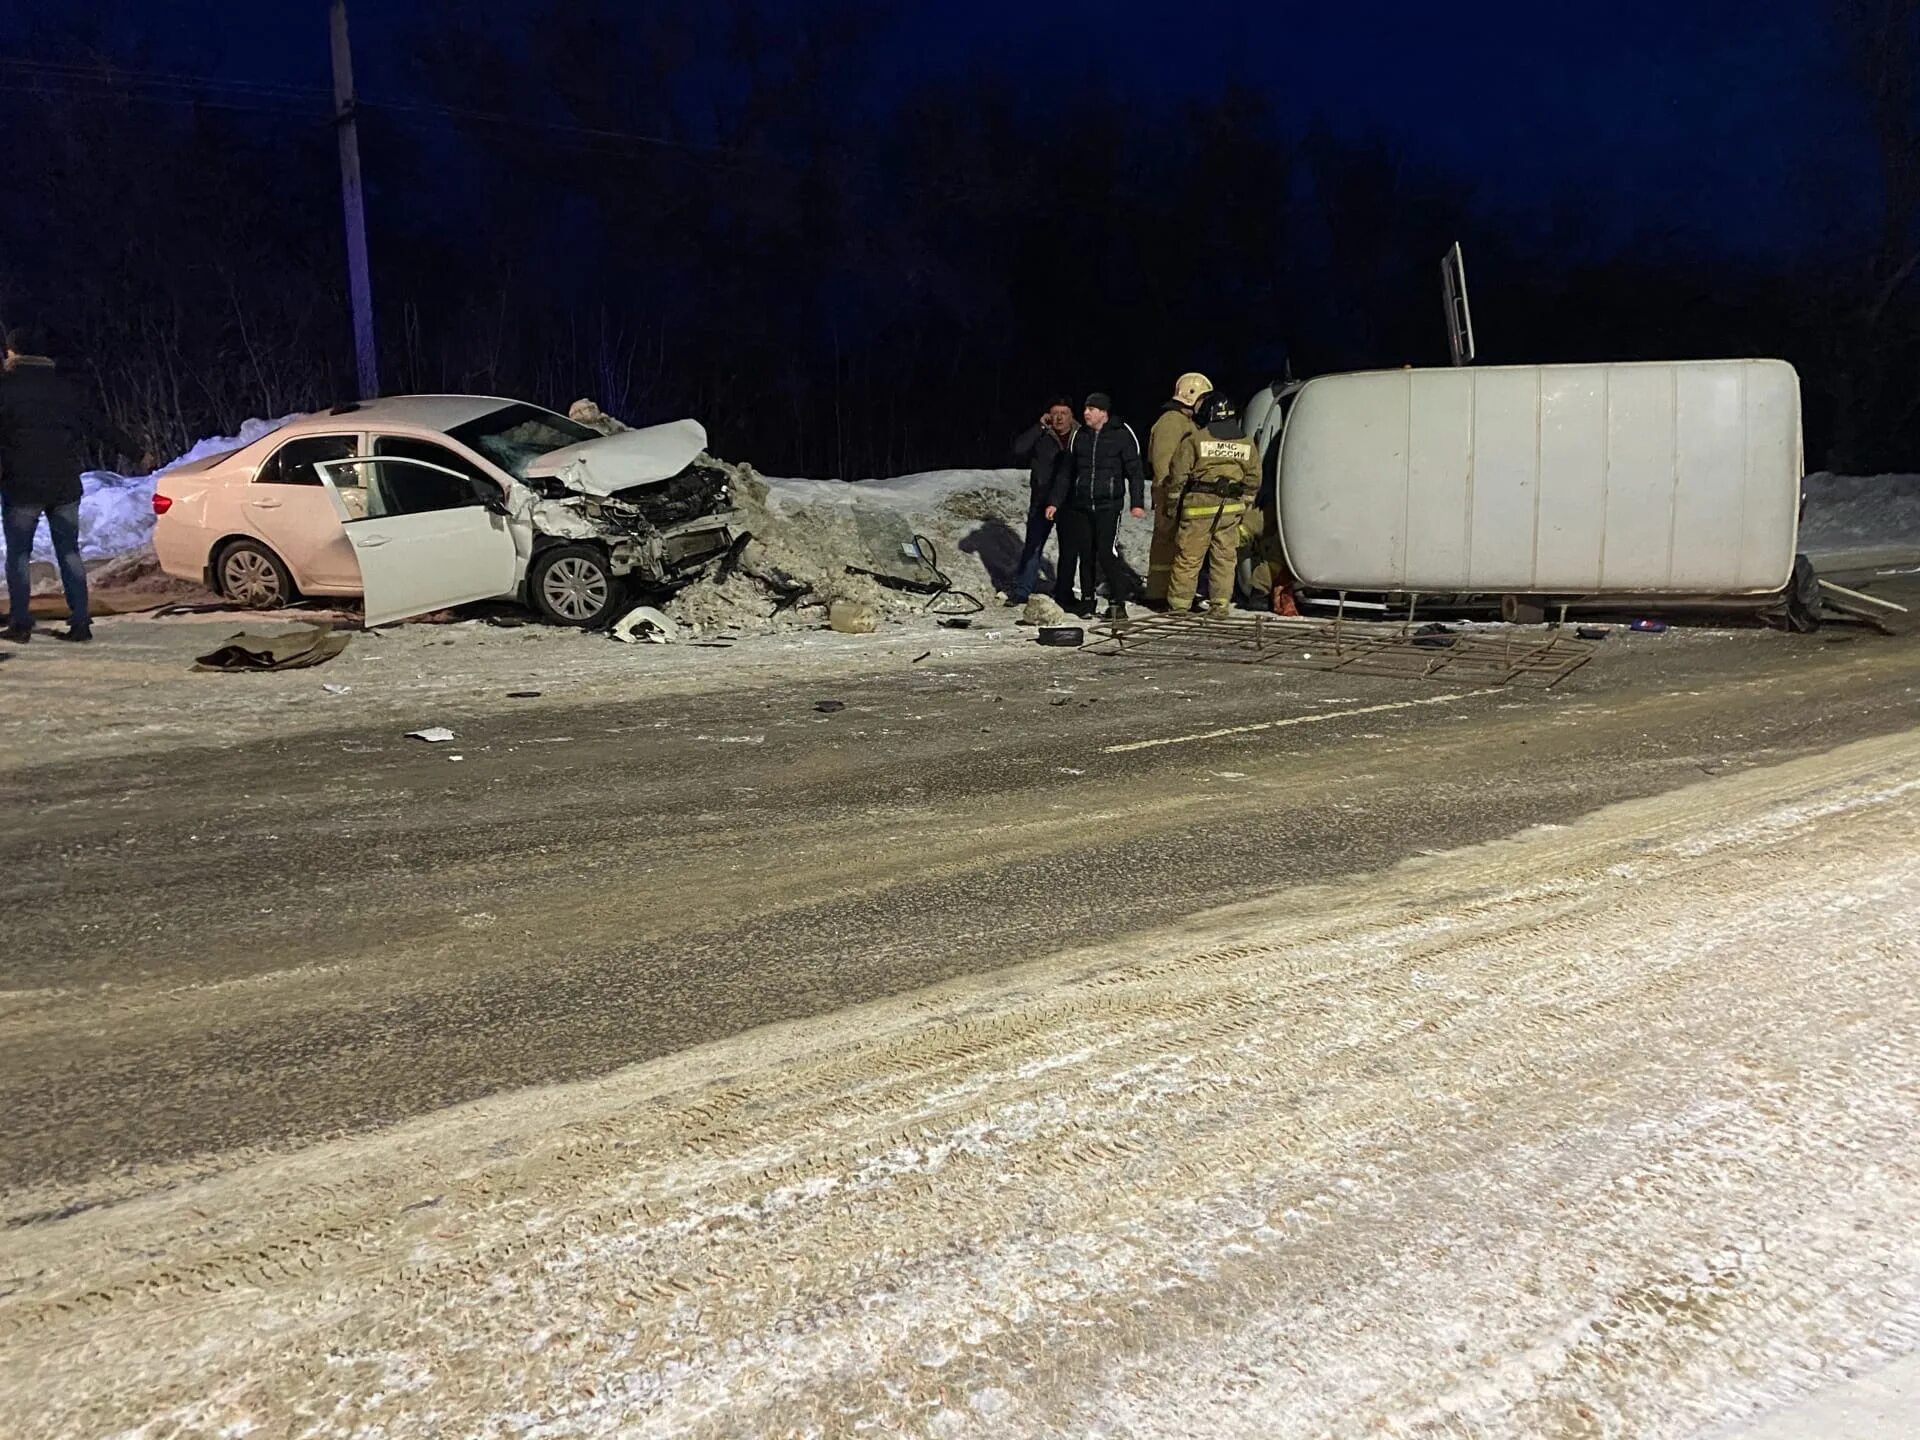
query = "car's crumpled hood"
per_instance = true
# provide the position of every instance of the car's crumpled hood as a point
(625, 459)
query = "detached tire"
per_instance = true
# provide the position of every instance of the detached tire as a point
(252, 576)
(574, 584)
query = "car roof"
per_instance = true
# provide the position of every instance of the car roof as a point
(428, 412)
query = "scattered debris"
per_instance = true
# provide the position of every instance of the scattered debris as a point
(1592, 632)
(1042, 610)
(337, 689)
(851, 617)
(829, 707)
(433, 734)
(290, 650)
(924, 654)
(1351, 647)
(523, 694)
(1649, 627)
(1861, 597)
(956, 622)
(1064, 636)
(588, 413)
(643, 623)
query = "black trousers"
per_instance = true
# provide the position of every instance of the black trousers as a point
(1087, 547)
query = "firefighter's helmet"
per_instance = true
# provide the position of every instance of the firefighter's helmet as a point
(1191, 388)
(1219, 410)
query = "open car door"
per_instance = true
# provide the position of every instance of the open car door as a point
(426, 537)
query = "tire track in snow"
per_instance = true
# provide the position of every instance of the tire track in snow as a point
(1599, 1130)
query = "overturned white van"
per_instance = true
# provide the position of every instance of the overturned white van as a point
(1645, 480)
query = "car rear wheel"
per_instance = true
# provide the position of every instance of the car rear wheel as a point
(574, 585)
(251, 575)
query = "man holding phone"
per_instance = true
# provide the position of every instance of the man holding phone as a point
(1043, 449)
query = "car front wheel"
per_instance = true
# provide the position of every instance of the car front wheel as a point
(574, 585)
(253, 576)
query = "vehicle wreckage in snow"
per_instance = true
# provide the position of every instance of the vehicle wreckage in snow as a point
(420, 502)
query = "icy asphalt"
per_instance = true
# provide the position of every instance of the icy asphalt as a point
(263, 942)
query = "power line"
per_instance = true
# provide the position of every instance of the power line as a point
(181, 102)
(108, 74)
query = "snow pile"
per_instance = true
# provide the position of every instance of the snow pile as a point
(1861, 513)
(116, 511)
(811, 533)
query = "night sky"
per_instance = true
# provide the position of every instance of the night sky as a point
(1719, 127)
(897, 214)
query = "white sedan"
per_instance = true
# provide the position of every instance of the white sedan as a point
(420, 502)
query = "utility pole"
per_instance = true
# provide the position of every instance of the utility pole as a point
(366, 357)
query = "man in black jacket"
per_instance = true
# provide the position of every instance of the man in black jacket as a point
(1088, 496)
(46, 425)
(1043, 450)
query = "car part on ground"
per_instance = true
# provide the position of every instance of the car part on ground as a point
(645, 624)
(298, 649)
(252, 576)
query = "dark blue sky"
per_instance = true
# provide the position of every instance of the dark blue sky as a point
(1720, 126)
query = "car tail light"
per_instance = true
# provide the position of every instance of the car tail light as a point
(161, 503)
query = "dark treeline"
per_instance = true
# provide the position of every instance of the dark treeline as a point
(838, 282)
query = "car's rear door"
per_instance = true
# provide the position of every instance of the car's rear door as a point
(284, 505)
(429, 538)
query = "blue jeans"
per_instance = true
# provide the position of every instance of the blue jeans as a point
(1039, 527)
(63, 525)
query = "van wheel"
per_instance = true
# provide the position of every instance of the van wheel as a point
(1803, 597)
(574, 585)
(251, 575)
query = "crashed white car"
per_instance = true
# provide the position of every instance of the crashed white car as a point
(420, 502)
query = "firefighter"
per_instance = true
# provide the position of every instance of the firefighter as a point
(1174, 424)
(1213, 478)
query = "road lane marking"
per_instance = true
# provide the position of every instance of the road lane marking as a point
(1296, 720)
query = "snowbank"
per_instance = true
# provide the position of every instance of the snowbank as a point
(116, 511)
(1861, 514)
(811, 531)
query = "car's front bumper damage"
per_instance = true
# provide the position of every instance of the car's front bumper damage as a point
(659, 533)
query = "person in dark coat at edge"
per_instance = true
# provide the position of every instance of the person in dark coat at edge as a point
(1043, 449)
(1104, 478)
(46, 426)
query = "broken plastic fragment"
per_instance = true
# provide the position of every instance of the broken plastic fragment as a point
(644, 623)
(433, 734)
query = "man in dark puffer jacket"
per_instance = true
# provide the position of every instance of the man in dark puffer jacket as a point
(1105, 477)
(46, 424)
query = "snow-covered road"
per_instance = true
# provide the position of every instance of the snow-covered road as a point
(1600, 1130)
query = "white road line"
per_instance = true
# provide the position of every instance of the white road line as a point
(1296, 720)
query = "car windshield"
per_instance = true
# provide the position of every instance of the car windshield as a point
(517, 435)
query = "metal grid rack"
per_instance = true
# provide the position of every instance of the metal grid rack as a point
(1401, 652)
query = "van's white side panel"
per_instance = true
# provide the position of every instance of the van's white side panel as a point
(1674, 478)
